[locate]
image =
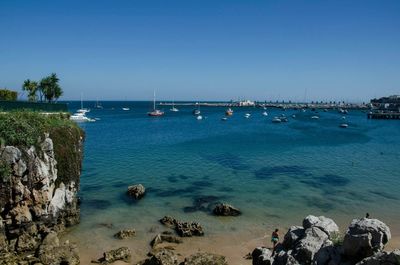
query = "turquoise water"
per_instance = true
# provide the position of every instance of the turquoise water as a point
(275, 173)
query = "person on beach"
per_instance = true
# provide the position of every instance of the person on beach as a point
(274, 239)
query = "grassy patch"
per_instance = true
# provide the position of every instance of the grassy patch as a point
(337, 239)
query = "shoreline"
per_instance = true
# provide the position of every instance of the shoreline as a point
(234, 245)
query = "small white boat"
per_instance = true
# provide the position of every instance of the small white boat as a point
(199, 117)
(303, 110)
(229, 112)
(265, 113)
(293, 116)
(315, 117)
(343, 125)
(224, 119)
(173, 109)
(343, 117)
(276, 120)
(125, 109)
(247, 115)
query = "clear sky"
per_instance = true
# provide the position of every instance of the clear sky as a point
(205, 49)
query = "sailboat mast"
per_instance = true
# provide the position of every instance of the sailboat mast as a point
(154, 100)
(81, 101)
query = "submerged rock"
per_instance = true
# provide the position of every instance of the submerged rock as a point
(364, 237)
(169, 221)
(136, 191)
(205, 259)
(125, 233)
(224, 209)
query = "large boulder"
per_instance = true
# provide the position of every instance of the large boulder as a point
(329, 255)
(125, 233)
(162, 238)
(224, 209)
(325, 224)
(136, 191)
(293, 235)
(285, 258)
(382, 258)
(314, 238)
(365, 237)
(205, 259)
(262, 256)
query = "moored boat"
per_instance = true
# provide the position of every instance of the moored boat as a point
(229, 112)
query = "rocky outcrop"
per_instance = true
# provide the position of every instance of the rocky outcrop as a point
(38, 199)
(125, 233)
(365, 237)
(111, 256)
(161, 257)
(205, 259)
(318, 242)
(184, 229)
(224, 209)
(136, 191)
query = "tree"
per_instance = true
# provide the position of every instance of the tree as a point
(8, 95)
(50, 88)
(31, 87)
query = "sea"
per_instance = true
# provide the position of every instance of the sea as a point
(275, 173)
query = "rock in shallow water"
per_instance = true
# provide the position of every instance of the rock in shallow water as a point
(224, 209)
(125, 233)
(111, 256)
(205, 259)
(136, 191)
(161, 238)
(184, 229)
(161, 257)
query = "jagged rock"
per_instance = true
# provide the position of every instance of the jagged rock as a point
(314, 238)
(382, 258)
(162, 257)
(169, 221)
(52, 252)
(364, 237)
(27, 242)
(125, 233)
(224, 209)
(188, 229)
(325, 224)
(20, 214)
(111, 256)
(136, 191)
(205, 259)
(329, 255)
(285, 258)
(262, 256)
(293, 235)
(161, 238)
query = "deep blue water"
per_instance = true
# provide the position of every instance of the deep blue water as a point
(275, 173)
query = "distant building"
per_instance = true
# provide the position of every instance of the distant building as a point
(246, 103)
(387, 104)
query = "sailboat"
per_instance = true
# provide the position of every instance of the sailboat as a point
(173, 109)
(155, 112)
(197, 110)
(82, 110)
(98, 105)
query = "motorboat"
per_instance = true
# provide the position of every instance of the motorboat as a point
(276, 120)
(247, 115)
(265, 113)
(315, 117)
(81, 117)
(173, 109)
(199, 117)
(224, 119)
(125, 109)
(343, 125)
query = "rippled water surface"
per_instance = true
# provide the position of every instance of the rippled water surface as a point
(275, 173)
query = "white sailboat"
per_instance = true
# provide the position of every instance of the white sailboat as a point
(173, 109)
(82, 109)
(155, 112)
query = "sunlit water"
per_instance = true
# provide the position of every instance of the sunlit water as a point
(275, 173)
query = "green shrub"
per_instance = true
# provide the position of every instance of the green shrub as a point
(6, 94)
(337, 239)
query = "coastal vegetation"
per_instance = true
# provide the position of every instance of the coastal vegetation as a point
(8, 95)
(47, 89)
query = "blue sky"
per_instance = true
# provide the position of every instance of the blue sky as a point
(204, 50)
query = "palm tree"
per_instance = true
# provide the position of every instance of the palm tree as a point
(31, 87)
(50, 88)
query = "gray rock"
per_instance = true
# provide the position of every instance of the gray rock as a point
(314, 238)
(285, 258)
(262, 256)
(224, 209)
(325, 224)
(162, 238)
(125, 233)
(52, 252)
(205, 259)
(169, 221)
(382, 258)
(364, 237)
(329, 255)
(188, 229)
(162, 257)
(293, 235)
(111, 256)
(10, 155)
(136, 191)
